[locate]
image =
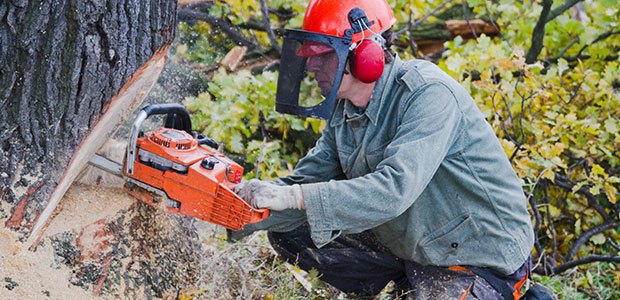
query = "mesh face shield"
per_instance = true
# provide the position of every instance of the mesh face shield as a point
(310, 60)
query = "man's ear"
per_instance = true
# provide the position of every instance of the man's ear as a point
(347, 67)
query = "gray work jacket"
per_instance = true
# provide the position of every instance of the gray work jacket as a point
(422, 169)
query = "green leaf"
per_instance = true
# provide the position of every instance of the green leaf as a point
(578, 186)
(562, 66)
(455, 63)
(611, 126)
(236, 144)
(597, 170)
(595, 190)
(598, 239)
(484, 42)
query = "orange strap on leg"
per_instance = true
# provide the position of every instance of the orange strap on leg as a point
(465, 270)
(461, 269)
(517, 293)
(464, 296)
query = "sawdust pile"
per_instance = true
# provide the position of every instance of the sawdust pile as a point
(36, 275)
(103, 244)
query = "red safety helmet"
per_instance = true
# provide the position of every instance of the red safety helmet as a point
(350, 28)
(332, 18)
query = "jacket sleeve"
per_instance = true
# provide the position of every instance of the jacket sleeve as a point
(319, 165)
(429, 124)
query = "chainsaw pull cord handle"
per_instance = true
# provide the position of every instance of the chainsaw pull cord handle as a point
(177, 118)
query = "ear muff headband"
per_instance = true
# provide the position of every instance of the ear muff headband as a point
(367, 58)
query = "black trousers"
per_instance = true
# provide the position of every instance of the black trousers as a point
(358, 264)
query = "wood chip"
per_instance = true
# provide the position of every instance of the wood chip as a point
(233, 58)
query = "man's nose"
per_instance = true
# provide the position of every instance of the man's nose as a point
(313, 64)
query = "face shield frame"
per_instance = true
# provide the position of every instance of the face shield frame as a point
(292, 71)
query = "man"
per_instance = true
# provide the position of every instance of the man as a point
(408, 182)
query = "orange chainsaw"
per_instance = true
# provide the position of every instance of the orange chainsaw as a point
(170, 167)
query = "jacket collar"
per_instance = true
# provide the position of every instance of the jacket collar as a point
(384, 84)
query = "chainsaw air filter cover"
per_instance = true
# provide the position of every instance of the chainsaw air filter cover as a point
(173, 138)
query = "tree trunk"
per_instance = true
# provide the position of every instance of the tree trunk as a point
(71, 71)
(61, 64)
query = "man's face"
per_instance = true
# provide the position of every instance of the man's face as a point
(324, 67)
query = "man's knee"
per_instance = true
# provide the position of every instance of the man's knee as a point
(290, 244)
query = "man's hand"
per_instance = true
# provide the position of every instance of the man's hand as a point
(263, 194)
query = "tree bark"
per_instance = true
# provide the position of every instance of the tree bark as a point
(61, 64)
(71, 71)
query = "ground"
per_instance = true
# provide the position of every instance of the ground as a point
(246, 269)
(37, 275)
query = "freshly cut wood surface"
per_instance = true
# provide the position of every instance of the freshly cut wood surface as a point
(120, 107)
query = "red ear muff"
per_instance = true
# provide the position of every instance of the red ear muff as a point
(367, 61)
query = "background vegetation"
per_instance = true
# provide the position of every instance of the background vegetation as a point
(546, 76)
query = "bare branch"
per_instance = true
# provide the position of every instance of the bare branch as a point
(598, 39)
(510, 117)
(584, 57)
(534, 206)
(561, 9)
(267, 24)
(503, 124)
(494, 24)
(611, 242)
(412, 43)
(580, 55)
(573, 42)
(550, 224)
(432, 13)
(538, 34)
(523, 99)
(586, 260)
(588, 234)
(287, 15)
(418, 22)
(565, 182)
(471, 28)
(575, 91)
(223, 25)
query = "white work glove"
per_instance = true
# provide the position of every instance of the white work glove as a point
(264, 194)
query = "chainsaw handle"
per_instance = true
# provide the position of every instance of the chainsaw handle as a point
(171, 110)
(177, 116)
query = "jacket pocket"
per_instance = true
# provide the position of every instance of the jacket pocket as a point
(450, 240)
